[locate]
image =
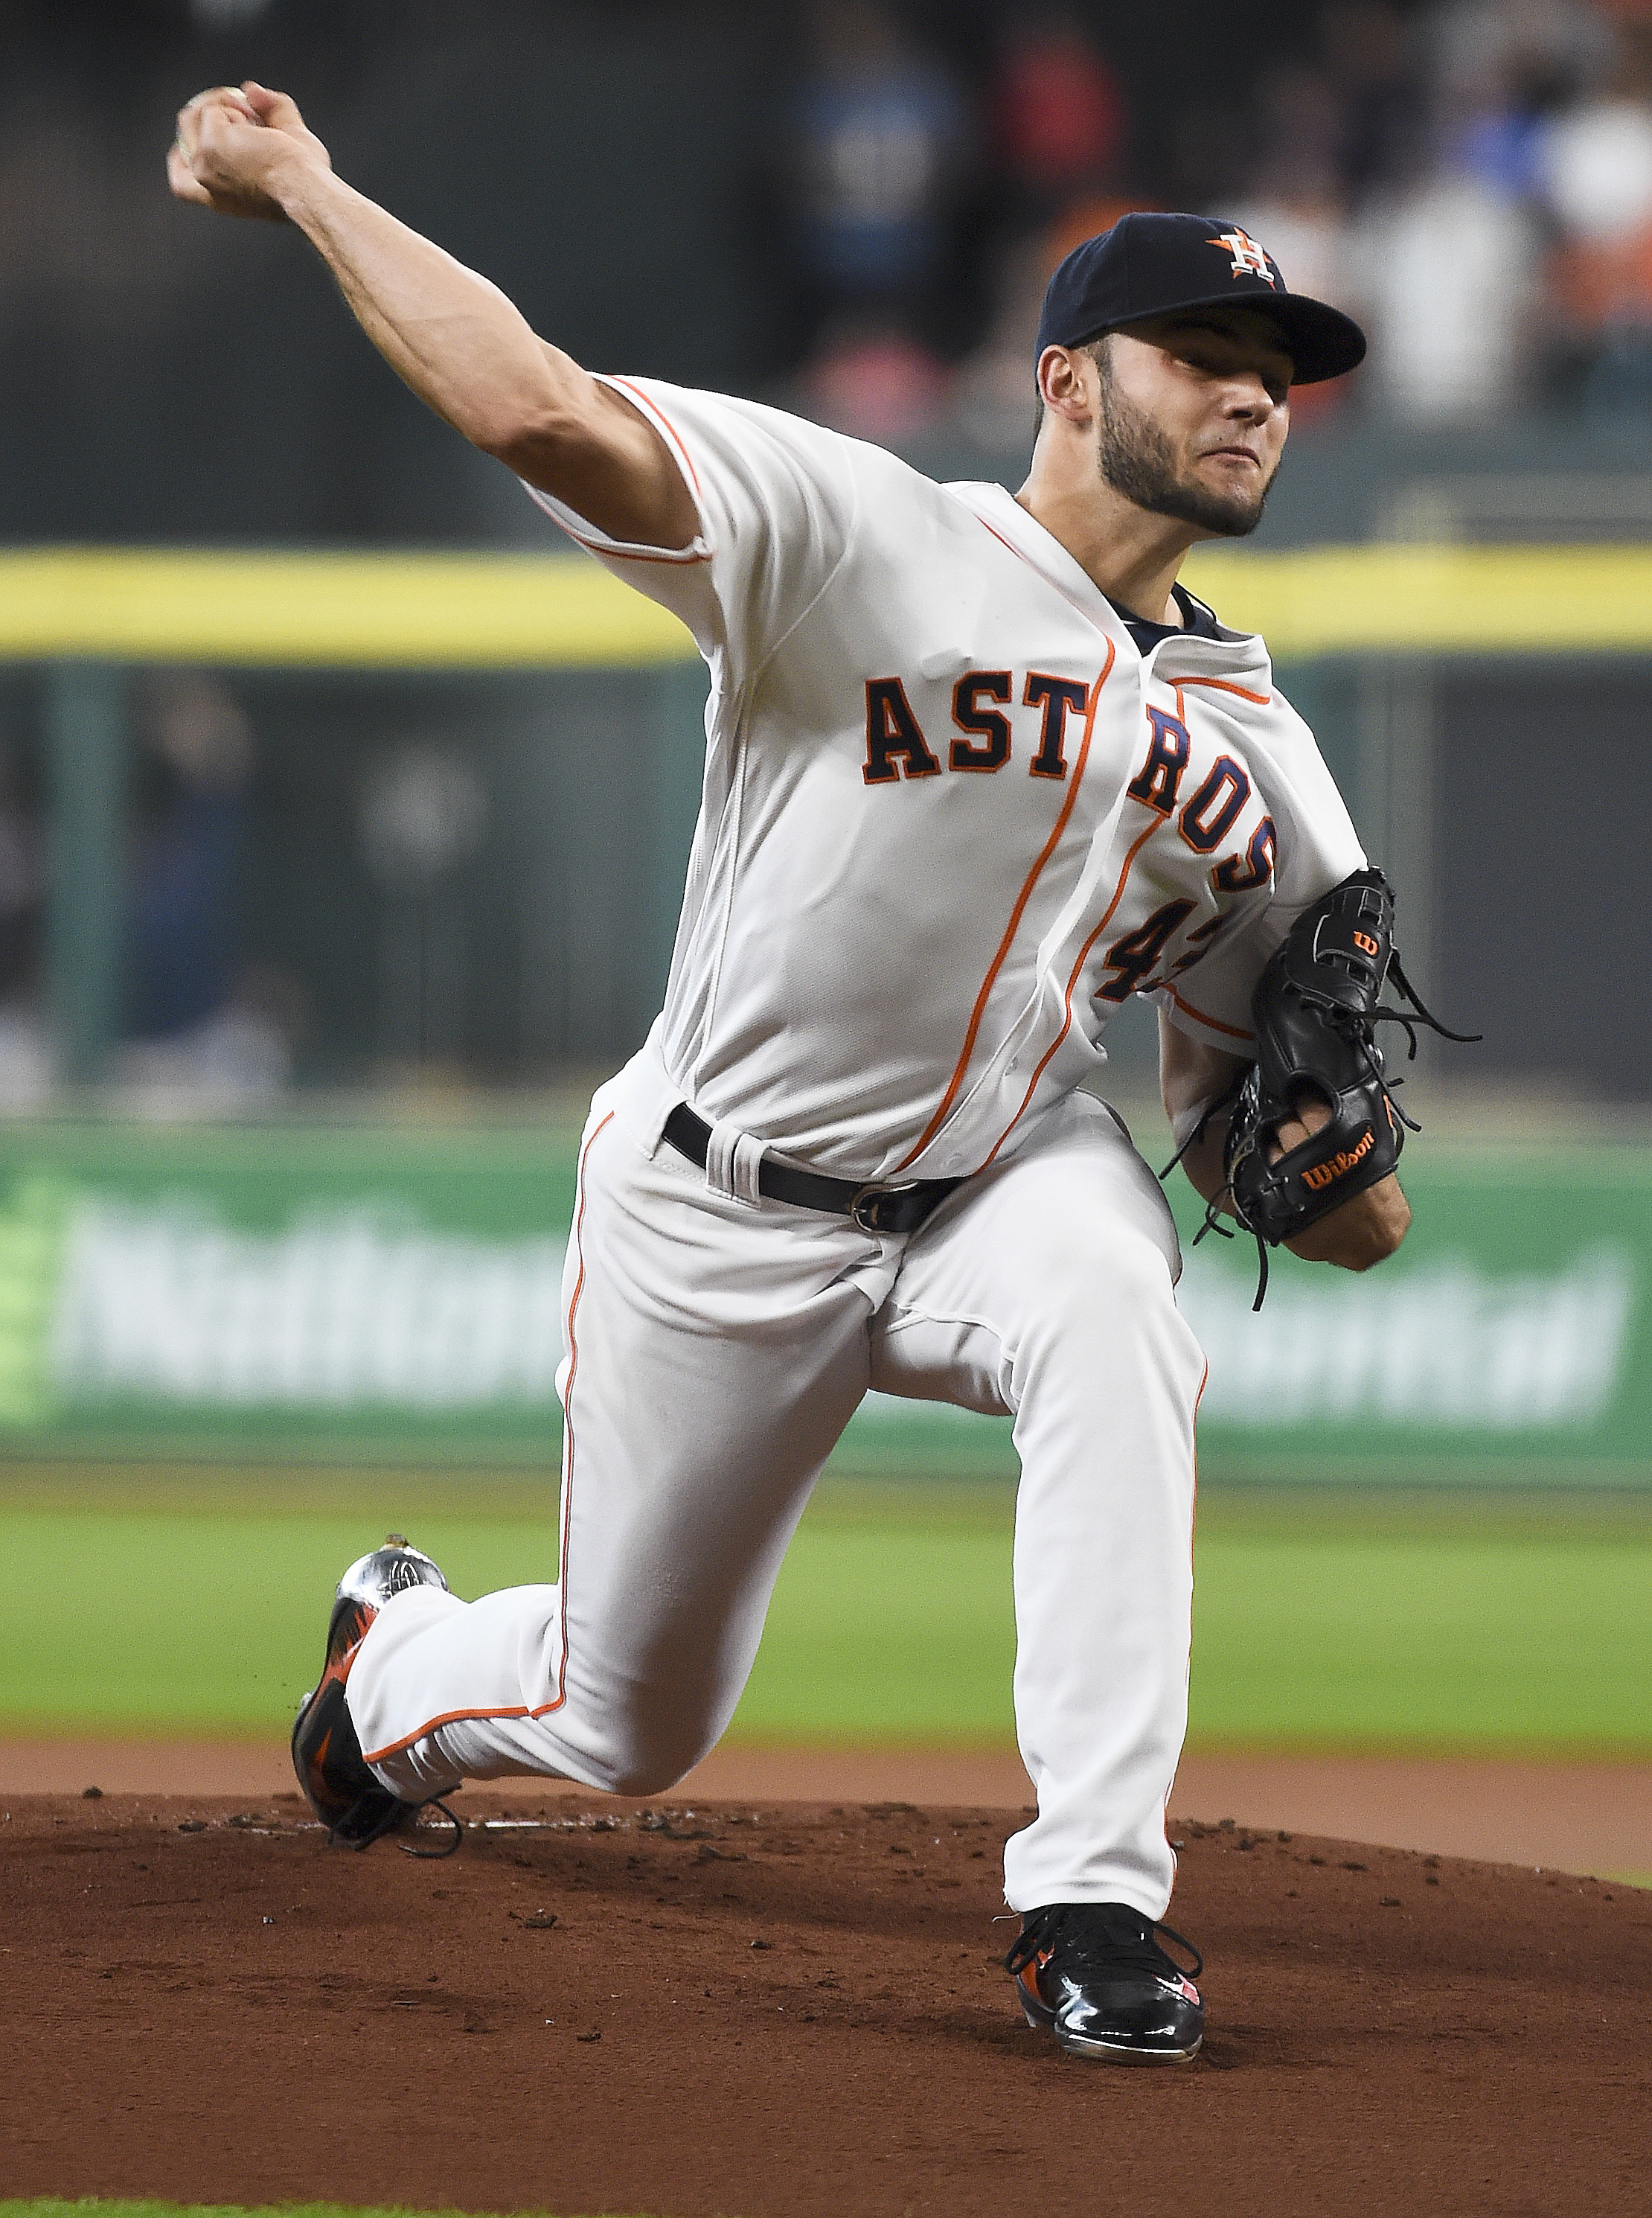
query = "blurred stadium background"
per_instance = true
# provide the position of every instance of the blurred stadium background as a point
(343, 812)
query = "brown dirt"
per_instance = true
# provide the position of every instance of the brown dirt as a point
(212, 2012)
(1567, 1816)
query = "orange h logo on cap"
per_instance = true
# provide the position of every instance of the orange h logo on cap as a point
(1250, 260)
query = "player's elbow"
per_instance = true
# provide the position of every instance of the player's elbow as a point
(534, 438)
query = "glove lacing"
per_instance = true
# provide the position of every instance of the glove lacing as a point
(1357, 1030)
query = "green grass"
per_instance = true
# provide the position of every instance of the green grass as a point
(159, 1622)
(1371, 1625)
(1319, 1623)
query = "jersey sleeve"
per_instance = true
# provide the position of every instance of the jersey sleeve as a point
(1314, 847)
(776, 500)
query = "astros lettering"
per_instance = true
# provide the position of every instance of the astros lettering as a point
(896, 745)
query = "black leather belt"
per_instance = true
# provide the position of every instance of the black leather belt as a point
(874, 1208)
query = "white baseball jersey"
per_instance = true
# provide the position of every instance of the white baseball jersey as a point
(952, 817)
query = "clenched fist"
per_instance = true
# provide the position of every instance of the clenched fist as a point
(233, 146)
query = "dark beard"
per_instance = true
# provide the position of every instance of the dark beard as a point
(1136, 461)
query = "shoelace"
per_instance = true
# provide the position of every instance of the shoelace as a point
(388, 1818)
(1106, 1937)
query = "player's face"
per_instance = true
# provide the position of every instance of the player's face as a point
(1192, 416)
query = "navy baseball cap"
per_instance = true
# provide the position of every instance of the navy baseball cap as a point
(1152, 265)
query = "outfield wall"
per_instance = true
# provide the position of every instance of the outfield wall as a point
(553, 719)
(347, 1292)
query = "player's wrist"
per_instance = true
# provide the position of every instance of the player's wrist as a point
(294, 178)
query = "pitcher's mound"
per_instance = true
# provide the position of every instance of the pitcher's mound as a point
(792, 2009)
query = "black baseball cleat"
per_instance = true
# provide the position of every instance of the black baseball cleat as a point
(1091, 1973)
(326, 1754)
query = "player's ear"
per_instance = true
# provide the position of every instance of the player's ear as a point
(1061, 385)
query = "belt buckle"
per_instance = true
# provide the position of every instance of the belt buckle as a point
(865, 1206)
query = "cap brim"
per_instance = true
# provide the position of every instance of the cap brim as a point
(1320, 339)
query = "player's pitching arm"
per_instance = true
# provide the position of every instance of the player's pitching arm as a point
(1365, 1229)
(451, 336)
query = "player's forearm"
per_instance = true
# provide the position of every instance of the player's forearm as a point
(1193, 1081)
(451, 336)
(448, 333)
(1202, 1164)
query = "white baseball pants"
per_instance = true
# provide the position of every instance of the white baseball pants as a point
(716, 1347)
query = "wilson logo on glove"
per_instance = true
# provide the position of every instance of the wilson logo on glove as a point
(1322, 1174)
(1316, 1008)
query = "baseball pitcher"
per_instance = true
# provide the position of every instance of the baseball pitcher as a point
(978, 769)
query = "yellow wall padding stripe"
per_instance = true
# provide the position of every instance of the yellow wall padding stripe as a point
(527, 612)
(1448, 600)
(389, 611)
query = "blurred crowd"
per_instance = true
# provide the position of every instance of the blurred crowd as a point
(1473, 181)
(202, 1023)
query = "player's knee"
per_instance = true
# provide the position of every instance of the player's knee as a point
(652, 1753)
(649, 1773)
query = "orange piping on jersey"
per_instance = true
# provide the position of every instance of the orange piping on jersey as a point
(567, 1415)
(670, 429)
(431, 1725)
(1193, 1514)
(1234, 1031)
(1002, 540)
(1192, 1529)
(1066, 1018)
(1226, 685)
(541, 1709)
(1193, 1509)
(1016, 915)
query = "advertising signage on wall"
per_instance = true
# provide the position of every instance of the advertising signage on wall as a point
(330, 1292)
(241, 1292)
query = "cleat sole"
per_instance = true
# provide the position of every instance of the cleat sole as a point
(1108, 2052)
(1105, 2051)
